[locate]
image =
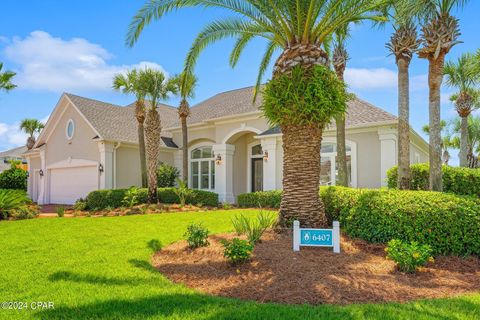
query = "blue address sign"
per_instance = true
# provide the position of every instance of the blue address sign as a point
(316, 237)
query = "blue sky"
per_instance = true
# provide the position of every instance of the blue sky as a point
(76, 46)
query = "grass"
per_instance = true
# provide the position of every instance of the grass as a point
(99, 268)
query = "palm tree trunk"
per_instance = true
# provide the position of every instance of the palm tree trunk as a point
(30, 142)
(184, 149)
(403, 125)
(143, 159)
(301, 176)
(464, 148)
(435, 77)
(152, 135)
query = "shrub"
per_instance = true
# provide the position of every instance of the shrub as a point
(130, 198)
(182, 192)
(100, 199)
(253, 228)
(408, 257)
(11, 200)
(447, 222)
(80, 205)
(462, 181)
(60, 210)
(263, 199)
(24, 212)
(197, 236)
(237, 251)
(166, 175)
(14, 178)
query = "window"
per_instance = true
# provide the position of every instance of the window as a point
(70, 129)
(202, 168)
(329, 164)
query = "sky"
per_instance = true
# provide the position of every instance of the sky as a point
(58, 46)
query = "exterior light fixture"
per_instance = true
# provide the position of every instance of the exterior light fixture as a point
(100, 168)
(265, 155)
(41, 172)
(218, 160)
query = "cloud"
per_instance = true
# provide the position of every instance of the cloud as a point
(54, 64)
(381, 78)
(11, 136)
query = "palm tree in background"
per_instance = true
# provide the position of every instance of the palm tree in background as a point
(473, 143)
(156, 87)
(187, 84)
(448, 141)
(403, 44)
(31, 127)
(339, 62)
(130, 83)
(463, 75)
(6, 79)
(300, 30)
(440, 33)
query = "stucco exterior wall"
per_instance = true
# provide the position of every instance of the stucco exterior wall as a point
(81, 146)
(240, 166)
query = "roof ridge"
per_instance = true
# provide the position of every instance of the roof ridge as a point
(220, 93)
(90, 99)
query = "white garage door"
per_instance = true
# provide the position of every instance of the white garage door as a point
(69, 184)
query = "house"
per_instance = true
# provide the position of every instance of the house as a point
(88, 145)
(15, 154)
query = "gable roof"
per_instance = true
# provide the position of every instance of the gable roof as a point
(117, 123)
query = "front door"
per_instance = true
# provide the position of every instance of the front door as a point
(257, 174)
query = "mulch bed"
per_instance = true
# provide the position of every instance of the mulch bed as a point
(359, 274)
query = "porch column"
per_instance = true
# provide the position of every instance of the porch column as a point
(388, 152)
(224, 172)
(269, 146)
(178, 162)
(43, 180)
(106, 160)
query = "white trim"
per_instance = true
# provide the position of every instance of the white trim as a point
(70, 121)
(353, 156)
(243, 128)
(72, 163)
(190, 160)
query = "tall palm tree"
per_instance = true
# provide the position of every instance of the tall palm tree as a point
(339, 61)
(6, 79)
(31, 127)
(130, 83)
(299, 29)
(473, 129)
(440, 32)
(463, 75)
(186, 83)
(156, 87)
(403, 44)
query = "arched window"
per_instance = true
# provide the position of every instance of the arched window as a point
(329, 166)
(202, 168)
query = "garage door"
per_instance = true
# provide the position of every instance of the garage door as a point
(69, 184)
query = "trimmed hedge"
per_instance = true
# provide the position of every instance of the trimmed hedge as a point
(264, 199)
(449, 223)
(101, 199)
(462, 181)
(14, 178)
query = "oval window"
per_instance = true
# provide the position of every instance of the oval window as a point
(70, 129)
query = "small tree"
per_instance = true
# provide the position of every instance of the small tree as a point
(166, 175)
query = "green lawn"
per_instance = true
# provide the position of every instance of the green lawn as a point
(100, 268)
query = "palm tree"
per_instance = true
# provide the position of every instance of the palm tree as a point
(339, 61)
(156, 87)
(300, 29)
(440, 32)
(31, 127)
(403, 44)
(473, 143)
(462, 74)
(130, 83)
(448, 141)
(5, 79)
(186, 91)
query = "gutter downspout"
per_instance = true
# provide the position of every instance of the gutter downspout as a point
(115, 164)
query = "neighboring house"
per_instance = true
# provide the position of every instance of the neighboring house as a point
(88, 145)
(12, 154)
